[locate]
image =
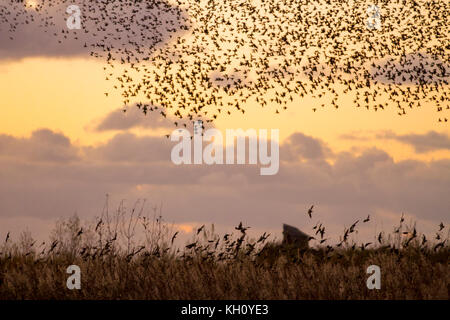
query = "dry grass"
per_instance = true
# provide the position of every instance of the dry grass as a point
(118, 264)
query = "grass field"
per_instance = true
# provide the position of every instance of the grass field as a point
(116, 263)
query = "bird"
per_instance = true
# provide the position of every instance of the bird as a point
(190, 246)
(172, 67)
(242, 228)
(263, 237)
(310, 211)
(367, 219)
(379, 238)
(365, 245)
(200, 229)
(439, 245)
(424, 239)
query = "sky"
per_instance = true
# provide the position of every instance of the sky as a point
(65, 145)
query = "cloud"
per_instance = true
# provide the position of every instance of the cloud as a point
(357, 136)
(43, 146)
(422, 143)
(132, 118)
(127, 147)
(299, 145)
(43, 32)
(131, 167)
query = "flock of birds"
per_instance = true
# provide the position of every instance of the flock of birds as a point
(230, 246)
(191, 60)
(408, 236)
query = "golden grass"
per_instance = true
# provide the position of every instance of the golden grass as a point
(215, 267)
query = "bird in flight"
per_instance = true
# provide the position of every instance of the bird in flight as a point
(310, 211)
(194, 61)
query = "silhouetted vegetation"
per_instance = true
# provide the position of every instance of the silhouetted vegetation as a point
(133, 256)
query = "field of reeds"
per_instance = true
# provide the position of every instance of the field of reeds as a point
(133, 256)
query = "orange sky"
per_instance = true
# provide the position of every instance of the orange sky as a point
(67, 95)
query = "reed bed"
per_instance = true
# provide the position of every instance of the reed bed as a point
(130, 255)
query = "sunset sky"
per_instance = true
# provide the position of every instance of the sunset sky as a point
(64, 146)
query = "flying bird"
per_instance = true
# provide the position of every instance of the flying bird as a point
(200, 229)
(310, 211)
(191, 61)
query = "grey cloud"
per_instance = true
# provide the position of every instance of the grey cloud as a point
(132, 118)
(43, 145)
(126, 147)
(421, 143)
(34, 31)
(351, 187)
(356, 136)
(299, 145)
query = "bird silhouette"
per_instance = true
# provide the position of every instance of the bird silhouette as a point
(200, 229)
(195, 61)
(310, 211)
